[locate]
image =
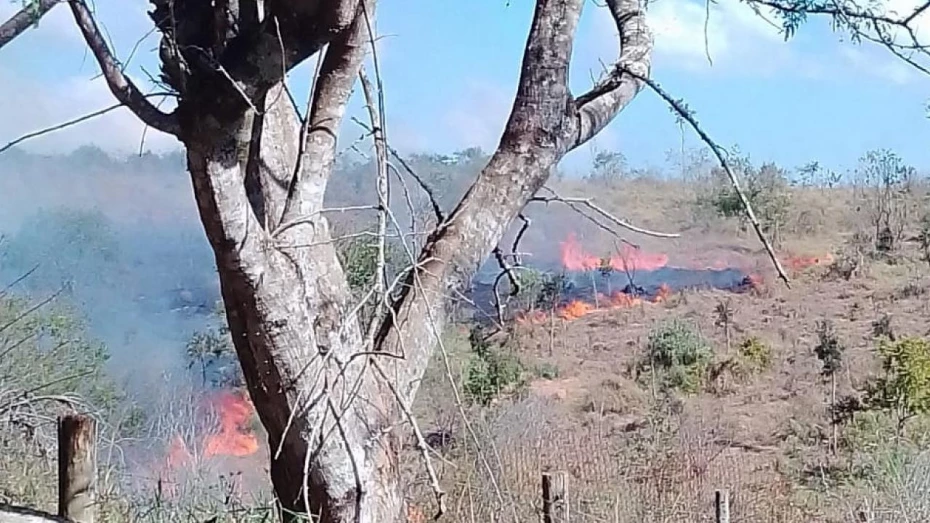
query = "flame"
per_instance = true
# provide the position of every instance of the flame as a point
(234, 437)
(628, 258)
(575, 309)
(799, 263)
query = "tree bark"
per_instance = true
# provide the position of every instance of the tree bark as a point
(25, 18)
(259, 178)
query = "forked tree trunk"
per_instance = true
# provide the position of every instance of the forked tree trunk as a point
(331, 400)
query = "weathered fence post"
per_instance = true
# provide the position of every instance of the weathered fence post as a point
(77, 467)
(555, 497)
(722, 503)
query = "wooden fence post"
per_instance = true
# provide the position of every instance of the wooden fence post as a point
(722, 503)
(555, 497)
(77, 467)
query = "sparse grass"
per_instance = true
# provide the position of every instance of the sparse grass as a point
(633, 455)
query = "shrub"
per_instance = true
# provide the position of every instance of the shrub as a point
(755, 356)
(884, 186)
(765, 187)
(490, 371)
(681, 354)
(923, 237)
(904, 387)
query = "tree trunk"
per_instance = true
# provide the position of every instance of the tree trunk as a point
(331, 401)
(287, 313)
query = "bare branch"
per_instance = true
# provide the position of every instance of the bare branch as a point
(121, 87)
(66, 124)
(338, 73)
(721, 155)
(598, 107)
(434, 202)
(376, 113)
(587, 202)
(25, 18)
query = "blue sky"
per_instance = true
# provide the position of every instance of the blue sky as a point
(450, 71)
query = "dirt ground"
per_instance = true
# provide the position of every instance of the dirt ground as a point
(636, 454)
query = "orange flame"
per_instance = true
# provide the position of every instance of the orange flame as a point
(799, 263)
(234, 438)
(628, 258)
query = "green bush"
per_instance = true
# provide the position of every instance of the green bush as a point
(680, 354)
(755, 356)
(490, 371)
(766, 188)
(904, 386)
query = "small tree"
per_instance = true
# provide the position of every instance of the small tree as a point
(606, 269)
(766, 189)
(682, 355)
(924, 237)
(884, 189)
(724, 312)
(904, 387)
(830, 351)
(608, 168)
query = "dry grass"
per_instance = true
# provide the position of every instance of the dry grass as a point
(633, 453)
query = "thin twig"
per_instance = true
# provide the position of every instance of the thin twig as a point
(376, 114)
(587, 202)
(122, 88)
(69, 123)
(721, 155)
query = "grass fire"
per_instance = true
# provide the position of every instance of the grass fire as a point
(290, 276)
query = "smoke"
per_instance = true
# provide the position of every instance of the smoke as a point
(122, 238)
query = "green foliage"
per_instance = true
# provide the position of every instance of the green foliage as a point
(608, 168)
(546, 371)
(829, 350)
(45, 349)
(63, 243)
(553, 287)
(681, 354)
(754, 355)
(904, 386)
(213, 352)
(765, 187)
(490, 371)
(359, 258)
(531, 282)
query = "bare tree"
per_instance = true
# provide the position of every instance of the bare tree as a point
(332, 392)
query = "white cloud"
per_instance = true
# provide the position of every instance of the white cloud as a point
(687, 31)
(29, 105)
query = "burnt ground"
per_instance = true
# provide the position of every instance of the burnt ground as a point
(636, 453)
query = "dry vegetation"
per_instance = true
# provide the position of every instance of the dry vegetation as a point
(649, 408)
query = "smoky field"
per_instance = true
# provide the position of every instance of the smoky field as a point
(653, 371)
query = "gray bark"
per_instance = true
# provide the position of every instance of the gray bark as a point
(25, 18)
(259, 183)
